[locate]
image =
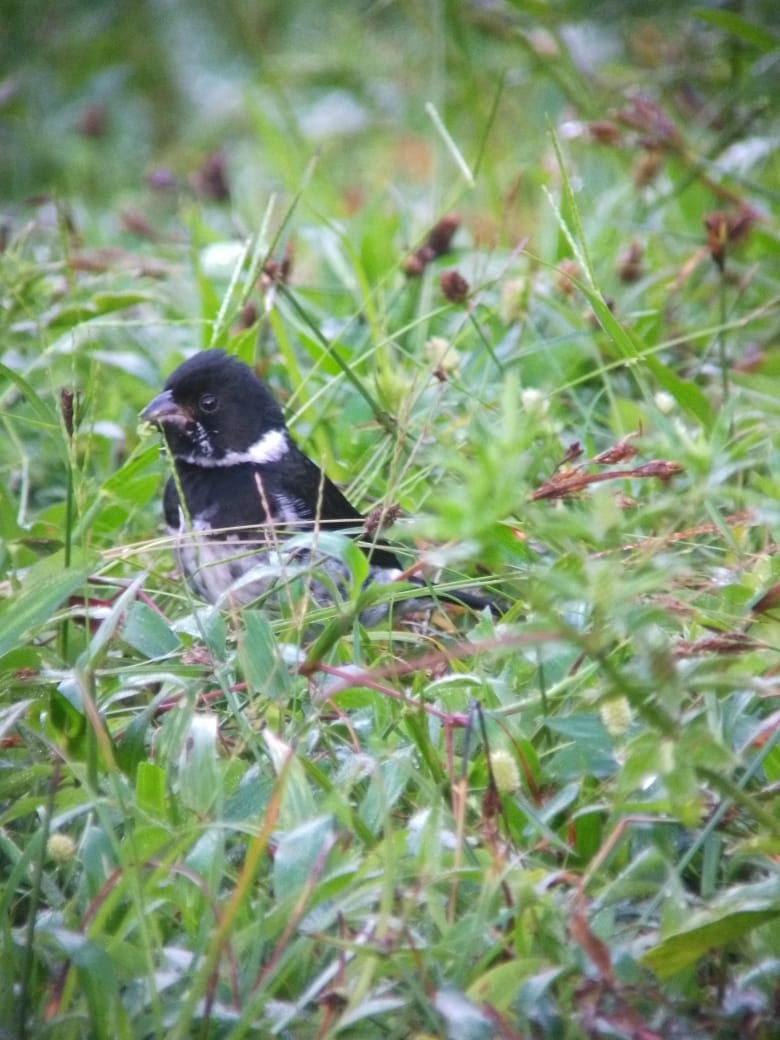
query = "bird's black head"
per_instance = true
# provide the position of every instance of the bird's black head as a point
(214, 411)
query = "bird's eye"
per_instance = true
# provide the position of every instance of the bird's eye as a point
(208, 402)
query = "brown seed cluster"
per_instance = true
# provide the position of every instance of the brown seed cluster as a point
(380, 518)
(726, 230)
(437, 243)
(570, 480)
(454, 286)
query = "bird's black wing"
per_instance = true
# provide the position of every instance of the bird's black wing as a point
(171, 504)
(302, 484)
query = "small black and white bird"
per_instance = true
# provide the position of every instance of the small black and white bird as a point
(241, 488)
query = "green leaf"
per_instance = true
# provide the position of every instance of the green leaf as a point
(772, 765)
(730, 22)
(108, 302)
(465, 1020)
(11, 714)
(100, 642)
(298, 802)
(75, 313)
(588, 833)
(45, 587)
(66, 717)
(199, 779)
(150, 783)
(43, 412)
(153, 840)
(264, 669)
(740, 911)
(98, 982)
(499, 986)
(9, 529)
(387, 785)
(687, 395)
(149, 632)
(131, 748)
(140, 468)
(299, 852)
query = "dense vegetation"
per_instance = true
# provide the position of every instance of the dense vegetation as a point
(513, 268)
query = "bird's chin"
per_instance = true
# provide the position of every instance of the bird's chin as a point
(184, 447)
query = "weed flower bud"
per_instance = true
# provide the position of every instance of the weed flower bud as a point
(505, 771)
(60, 848)
(616, 716)
(441, 354)
(535, 402)
(454, 286)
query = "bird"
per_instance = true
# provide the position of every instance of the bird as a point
(242, 491)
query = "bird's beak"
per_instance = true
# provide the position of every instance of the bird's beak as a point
(163, 409)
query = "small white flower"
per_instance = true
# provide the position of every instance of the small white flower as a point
(664, 402)
(442, 354)
(514, 300)
(535, 402)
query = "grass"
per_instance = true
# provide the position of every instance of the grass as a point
(561, 824)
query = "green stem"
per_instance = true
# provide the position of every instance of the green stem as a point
(28, 958)
(722, 357)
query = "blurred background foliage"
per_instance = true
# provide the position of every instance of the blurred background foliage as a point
(95, 97)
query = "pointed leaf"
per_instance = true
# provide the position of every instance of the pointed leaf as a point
(45, 587)
(741, 910)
